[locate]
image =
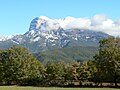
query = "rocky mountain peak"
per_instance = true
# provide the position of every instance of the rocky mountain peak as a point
(45, 33)
(43, 23)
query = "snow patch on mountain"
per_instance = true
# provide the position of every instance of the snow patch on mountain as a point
(15, 42)
(4, 38)
(36, 39)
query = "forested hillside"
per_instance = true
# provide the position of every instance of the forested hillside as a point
(68, 55)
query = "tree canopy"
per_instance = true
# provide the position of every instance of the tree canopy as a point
(17, 65)
(108, 60)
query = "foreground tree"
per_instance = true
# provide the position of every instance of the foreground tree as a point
(86, 71)
(108, 60)
(71, 72)
(19, 66)
(54, 73)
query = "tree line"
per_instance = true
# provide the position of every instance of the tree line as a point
(18, 66)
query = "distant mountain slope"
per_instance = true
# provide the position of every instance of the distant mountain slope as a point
(70, 54)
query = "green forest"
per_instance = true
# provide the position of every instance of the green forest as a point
(68, 55)
(18, 66)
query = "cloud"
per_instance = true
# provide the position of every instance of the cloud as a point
(104, 24)
(117, 22)
(98, 22)
(98, 19)
(71, 22)
(82, 23)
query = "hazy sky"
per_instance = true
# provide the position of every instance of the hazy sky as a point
(16, 15)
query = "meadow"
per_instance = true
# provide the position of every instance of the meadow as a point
(49, 88)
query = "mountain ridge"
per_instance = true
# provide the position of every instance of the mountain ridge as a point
(45, 34)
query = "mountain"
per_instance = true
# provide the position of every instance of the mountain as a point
(47, 34)
(68, 55)
(4, 38)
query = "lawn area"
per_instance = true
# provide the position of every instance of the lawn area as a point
(49, 88)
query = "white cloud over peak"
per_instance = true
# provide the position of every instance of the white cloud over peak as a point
(98, 19)
(104, 24)
(97, 23)
(71, 22)
(117, 22)
(81, 23)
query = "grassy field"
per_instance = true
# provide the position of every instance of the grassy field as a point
(49, 88)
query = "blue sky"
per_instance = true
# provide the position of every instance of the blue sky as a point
(16, 15)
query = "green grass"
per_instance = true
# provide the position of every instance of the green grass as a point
(49, 88)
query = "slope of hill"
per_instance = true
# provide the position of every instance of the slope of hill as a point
(70, 54)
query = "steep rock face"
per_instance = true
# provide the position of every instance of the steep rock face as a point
(45, 34)
(43, 24)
